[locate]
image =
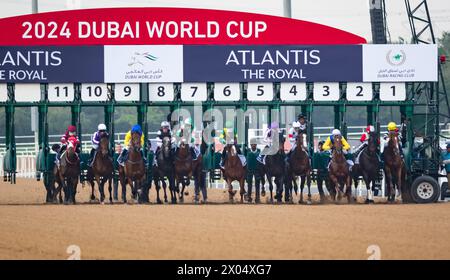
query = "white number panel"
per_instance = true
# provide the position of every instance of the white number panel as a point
(260, 91)
(3, 92)
(161, 92)
(27, 92)
(293, 91)
(392, 91)
(194, 92)
(61, 92)
(326, 91)
(227, 92)
(94, 92)
(359, 92)
(126, 92)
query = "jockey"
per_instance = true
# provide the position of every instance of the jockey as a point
(224, 139)
(303, 125)
(188, 126)
(163, 132)
(392, 128)
(124, 155)
(364, 139)
(70, 132)
(328, 145)
(269, 133)
(95, 140)
(294, 131)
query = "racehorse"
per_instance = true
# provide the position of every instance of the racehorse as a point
(394, 168)
(275, 167)
(368, 166)
(163, 169)
(102, 170)
(68, 172)
(185, 167)
(133, 173)
(339, 173)
(299, 165)
(233, 170)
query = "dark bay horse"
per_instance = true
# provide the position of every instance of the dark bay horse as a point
(185, 167)
(102, 171)
(339, 173)
(275, 167)
(394, 168)
(368, 166)
(68, 173)
(299, 165)
(133, 173)
(165, 169)
(234, 171)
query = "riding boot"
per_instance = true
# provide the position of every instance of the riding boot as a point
(359, 149)
(91, 157)
(193, 153)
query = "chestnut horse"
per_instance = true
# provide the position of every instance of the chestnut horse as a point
(102, 170)
(339, 172)
(299, 165)
(394, 168)
(185, 168)
(234, 171)
(68, 173)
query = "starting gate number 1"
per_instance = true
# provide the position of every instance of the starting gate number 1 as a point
(94, 92)
(161, 92)
(126, 92)
(194, 92)
(227, 92)
(61, 92)
(260, 91)
(293, 91)
(3, 92)
(326, 92)
(27, 92)
(392, 91)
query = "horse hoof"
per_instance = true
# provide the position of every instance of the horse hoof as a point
(263, 193)
(158, 201)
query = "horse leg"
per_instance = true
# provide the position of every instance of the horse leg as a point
(157, 187)
(399, 184)
(279, 190)
(231, 193)
(183, 186)
(288, 189)
(269, 178)
(101, 187)
(348, 189)
(389, 184)
(308, 183)
(242, 188)
(337, 188)
(110, 189)
(302, 186)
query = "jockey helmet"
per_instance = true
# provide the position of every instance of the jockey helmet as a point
(188, 121)
(336, 132)
(71, 128)
(392, 126)
(101, 127)
(165, 124)
(301, 116)
(274, 125)
(296, 125)
(136, 128)
(370, 128)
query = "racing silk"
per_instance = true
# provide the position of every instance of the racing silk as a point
(329, 144)
(127, 140)
(302, 128)
(364, 137)
(292, 135)
(66, 137)
(222, 137)
(268, 133)
(95, 139)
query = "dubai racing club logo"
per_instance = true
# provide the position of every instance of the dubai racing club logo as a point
(141, 58)
(396, 58)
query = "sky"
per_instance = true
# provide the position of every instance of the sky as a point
(349, 15)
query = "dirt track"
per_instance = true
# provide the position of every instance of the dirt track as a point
(31, 230)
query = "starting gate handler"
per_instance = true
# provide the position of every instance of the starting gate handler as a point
(328, 145)
(446, 161)
(323, 159)
(252, 169)
(95, 140)
(124, 155)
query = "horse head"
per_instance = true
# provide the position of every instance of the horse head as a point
(135, 141)
(166, 146)
(373, 142)
(337, 144)
(393, 142)
(104, 145)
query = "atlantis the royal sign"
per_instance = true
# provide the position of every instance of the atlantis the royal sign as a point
(273, 63)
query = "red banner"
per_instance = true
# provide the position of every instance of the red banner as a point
(165, 26)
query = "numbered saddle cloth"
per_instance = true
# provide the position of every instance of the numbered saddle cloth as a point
(243, 160)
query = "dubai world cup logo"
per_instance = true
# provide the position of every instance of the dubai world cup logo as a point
(396, 58)
(141, 58)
